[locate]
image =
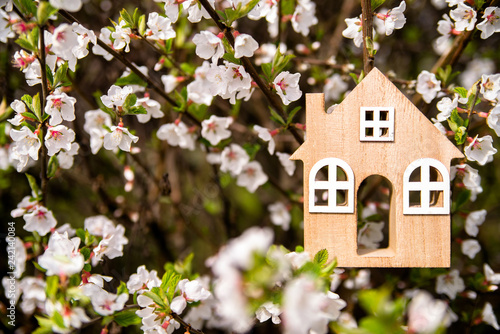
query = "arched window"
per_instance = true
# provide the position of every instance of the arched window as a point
(331, 187)
(426, 188)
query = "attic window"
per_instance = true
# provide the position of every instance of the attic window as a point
(376, 124)
(331, 187)
(426, 188)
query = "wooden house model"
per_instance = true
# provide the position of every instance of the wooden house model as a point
(376, 130)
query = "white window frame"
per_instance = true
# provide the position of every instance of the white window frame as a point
(376, 124)
(331, 185)
(425, 186)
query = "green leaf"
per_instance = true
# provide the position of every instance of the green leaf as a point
(321, 257)
(34, 186)
(130, 100)
(45, 325)
(141, 24)
(25, 44)
(251, 149)
(299, 249)
(267, 68)
(27, 7)
(276, 117)
(231, 58)
(85, 252)
(28, 115)
(131, 79)
(462, 198)
(455, 118)
(61, 73)
(461, 135)
(58, 319)
(28, 100)
(461, 91)
(136, 110)
(37, 108)
(127, 18)
(37, 266)
(87, 267)
(52, 285)
(154, 297)
(292, 114)
(127, 318)
(377, 3)
(44, 12)
(122, 288)
(52, 166)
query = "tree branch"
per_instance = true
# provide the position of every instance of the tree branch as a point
(368, 60)
(43, 100)
(264, 87)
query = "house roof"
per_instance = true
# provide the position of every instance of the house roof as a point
(337, 134)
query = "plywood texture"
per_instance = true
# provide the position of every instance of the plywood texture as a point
(414, 240)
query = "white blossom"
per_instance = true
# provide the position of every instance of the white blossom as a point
(119, 137)
(334, 87)
(208, 46)
(199, 90)
(233, 158)
(370, 235)
(306, 308)
(152, 107)
(63, 41)
(267, 311)
(473, 221)
(446, 107)
(470, 247)
(60, 107)
(73, 317)
(490, 275)
(19, 107)
(39, 220)
(480, 150)
(216, 129)
(489, 316)
(143, 280)
(360, 281)
(69, 5)
(491, 23)
(490, 86)
(287, 87)
(394, 18)
(464, 16)
(354, 30)
(27, 142)
(425, 314)
(121, 36)
(470, 177)
(62, 256)
(66, 158)
(251, 176)
(304, 17)
(159, 27)
(266, 136)
(116, 96)
(493, 119)
(245, 46)
(58, 138)
(428, 86)
(111, 245)
(177, 134)
(33, 289)
(288, 165)
(475, 69)
(106, 303)
(450, 284)
(280, 216)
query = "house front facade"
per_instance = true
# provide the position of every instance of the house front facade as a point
(376, 130)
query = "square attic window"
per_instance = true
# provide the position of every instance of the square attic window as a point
(376, 124)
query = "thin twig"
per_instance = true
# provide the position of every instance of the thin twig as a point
(185, 324)
(264, 87)
(368, 60)
(45, 90)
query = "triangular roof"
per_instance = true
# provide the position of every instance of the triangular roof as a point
(337, 133)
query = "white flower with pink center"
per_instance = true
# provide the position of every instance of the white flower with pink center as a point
(394, 18)
(63, 41)
(304, 17)
(106, 303)
(159, 27)
(470, 178)
(72, 317)
(191, 292)
(287, 87)
(480, 150)
(119, 137)
(251, 176)
(57, 138)
(491, 23)
(233, 158)
(111, 245)
(60, 107)
(143, 280)
(464, 16)
(450, 284)
(39, 220)
(62, 256)
(27, 142)
(425, 314)
(428, 86)
(152, 107)
(216, 129)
